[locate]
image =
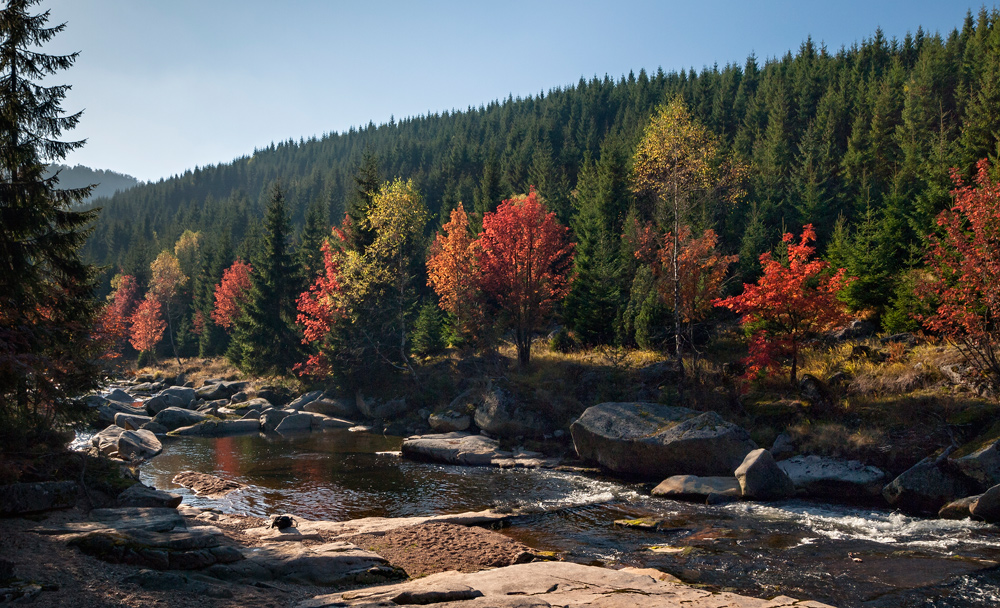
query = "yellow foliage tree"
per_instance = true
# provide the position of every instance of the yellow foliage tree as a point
(165, 285)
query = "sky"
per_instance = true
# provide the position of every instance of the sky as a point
(168, 85)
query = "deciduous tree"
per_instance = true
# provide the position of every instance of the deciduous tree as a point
(525, 259)
(114, 323)
(453, 273)
(147, 326)
(793, 300)
(230, 294)
(320, 308)
(165, 285)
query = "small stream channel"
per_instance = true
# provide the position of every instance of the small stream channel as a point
(845, 556)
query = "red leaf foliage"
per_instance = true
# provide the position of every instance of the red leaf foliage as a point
(147, 325)
(113, 324)
(231, 293)
(453, 271)
(789, 303)
(319, 309)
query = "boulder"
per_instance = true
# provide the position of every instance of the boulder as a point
(257, 403)
(252, 414)
(499, 414)
(157, 404)
(926, 487)
(987, 506)
(24, 498)
(380, 410)
(699, 489)
(211, 392)
(270, 418)
(983, 465)
(449, 421)
(131, 421)
(453, 448)
(338, 564)
(174, 418)
(277, 395)
(156, 428)
(329, 422)
(106, 441)
(958, 509)
(813, 389)
(656, 441)
(659, 373)
(832, 478)
(205, 484)
(218, 428)
(238, 397)
(140, 495)
(119, 396)
(106, 413)
(783, 446)
(188, 550)
(332, 406)
(138, 445)
(294, 422)
(855, 330)
(301, 401)
(761, 478)
(187, 395)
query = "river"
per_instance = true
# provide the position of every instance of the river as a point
(842, 555)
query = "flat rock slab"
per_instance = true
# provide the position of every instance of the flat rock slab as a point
(149, 519)
(374, 525)
(186, 550)
(546, 584)
(470, 450)
(834, 478)
(218, 428)
(694, 488)
(204, 484)
(335, 563)
(23, 498)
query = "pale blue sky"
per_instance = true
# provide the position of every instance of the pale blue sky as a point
(171, 84)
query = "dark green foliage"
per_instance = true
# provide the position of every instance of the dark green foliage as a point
(310, 257)
(264, 337)
(46, 303)
(427, 337)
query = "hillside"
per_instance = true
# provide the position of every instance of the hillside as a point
(107, 182)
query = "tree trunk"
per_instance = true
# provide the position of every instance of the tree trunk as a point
(170, 330)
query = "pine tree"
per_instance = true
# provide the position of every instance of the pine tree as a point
(46, 303)
(314, 232)
(264, 336)
(367, 182)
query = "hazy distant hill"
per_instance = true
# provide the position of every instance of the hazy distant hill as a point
(108, 182)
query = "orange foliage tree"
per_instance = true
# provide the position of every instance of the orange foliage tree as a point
(230, 294)
(319, 309)
(147, 325)
(453, 272)
(791, 302)
(525, 260)
(963, 292)
(113, 325)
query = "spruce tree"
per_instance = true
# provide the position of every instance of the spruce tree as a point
(46, 302)
(264, 337)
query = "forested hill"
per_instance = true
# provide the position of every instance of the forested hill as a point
(107, 182)
(867, 132)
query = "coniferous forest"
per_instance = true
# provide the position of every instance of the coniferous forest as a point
(859, 142)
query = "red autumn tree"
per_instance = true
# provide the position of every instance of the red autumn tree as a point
(790, 302)
(319, 310)
(524, 260)
(231, 293)
(453, 272)
(963, 292)
(114, 323)
(147, 325)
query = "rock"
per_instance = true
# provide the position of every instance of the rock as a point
(106, 413)
(761, 478)
(251, 415)
(120, 396)
(662, 372)
(855, 330)
(987, 506)
(138, 445)
(156, 428)
(218, 428)
(24, 498)
(301, 401)
(329, 564)
(338, 530)
(691, 487)
(379, 410)
(211, 392)
(140, 495)
(188, 550)
(131, 421)
(449, 421)
(174, 418)
(274, 394)
(813, 390)
(239, 397)
(542, 584)
(453, 448)
(958, 509)
(499, 414)
(257, 403)
(656, 441)
(270, 418)
(983, 465)
(926, 487)
(157, 404)
(187, 396)
(145, 387)
(294, 422)
(332, 406)
(153, 580)
(329, 422)
(833, 478)
(107, 440)
(783, 446)
(205, 484)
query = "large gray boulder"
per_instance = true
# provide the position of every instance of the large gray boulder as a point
(692, 487)
(271, 418)
(331, 406)
(218, 428)
(377, 409)
(119, 396)
(22, 498)
(833, 478)
(453, 448)
(982, 466)
(131, 421)
(987, 506)
(155, 405)
(656, 441)
(106, 441)
(294, 422)
(761, 478)
(301, 401)
(449, 421)
(138, 445)
(926, 487)
(174, 418)
(139, 495)
(211, 392)
(498, 413)
(106, 412)
(187, 395)
(958, 509)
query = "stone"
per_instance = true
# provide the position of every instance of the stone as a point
(24, 498)
(140, 495)
(813, 389)
(983, 465)
(257, 403)
(154, 580)
(138, 445)
(656, 441)
(187, 550)
(252, 414)
(332, 406)
(131, 421)
(698, 489)
(301, 401)
(205, 484)
(156, 428)
(380, 410)
(270, 418)
(783, 446)
(211, 392)
(958, 509)
(833, 478)
(453, 448)
(106, 441)
(987, 506)
(218, 428)
(294, 422)
(449, 421)
(328, 564)
(761, 478)
(145, 387)
(174, 418)
(661, 372)
(855, 330)
(187, 396)
(120, 396)
(151, 519)
(500, 415)
(926, 487)
(106, 413)
(238, 397)
(155, 405)
(338, 530)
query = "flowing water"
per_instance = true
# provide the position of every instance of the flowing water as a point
(845, 556)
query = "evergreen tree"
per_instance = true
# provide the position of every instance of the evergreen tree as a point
(46, 302)
(314, 232)
(367, 182)
(264, 337)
